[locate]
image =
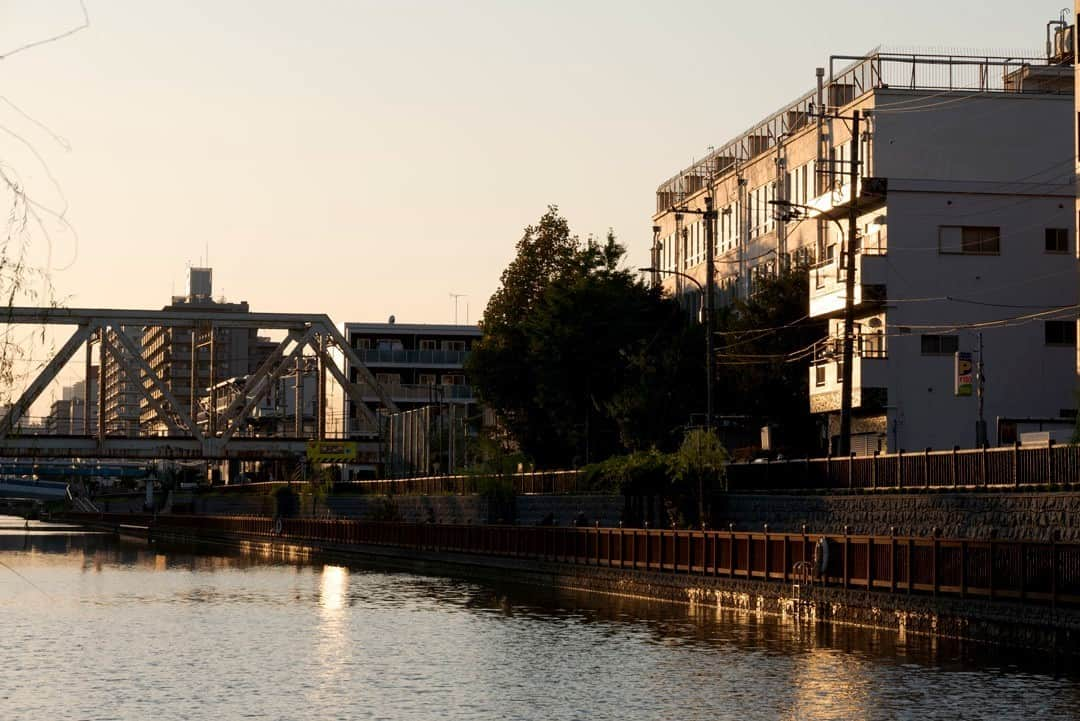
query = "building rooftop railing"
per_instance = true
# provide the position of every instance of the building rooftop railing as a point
(851, 77)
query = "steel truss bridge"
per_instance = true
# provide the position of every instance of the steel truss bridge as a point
(216, 439)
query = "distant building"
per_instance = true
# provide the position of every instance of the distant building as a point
(966, 239)
(67, 415)
(169, 351)
(274, 415)
(419, 366)
(122, 392)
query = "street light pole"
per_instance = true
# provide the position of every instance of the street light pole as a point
(710, 286)
(849, 293)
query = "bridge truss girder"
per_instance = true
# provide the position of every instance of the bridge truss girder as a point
(186, 440)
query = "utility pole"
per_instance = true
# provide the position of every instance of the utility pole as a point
(849, 292)
(980, 389)
(710, 288)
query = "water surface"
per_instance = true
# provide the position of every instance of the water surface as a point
(97, 628)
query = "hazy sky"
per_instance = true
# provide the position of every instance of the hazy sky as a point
(369, 158)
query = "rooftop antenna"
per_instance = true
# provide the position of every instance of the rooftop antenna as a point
(454, 297)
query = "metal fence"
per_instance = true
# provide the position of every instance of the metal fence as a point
(1028, 572)
(1015, 466)
(525, 482)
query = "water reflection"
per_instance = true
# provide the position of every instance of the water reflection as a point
(290, 640)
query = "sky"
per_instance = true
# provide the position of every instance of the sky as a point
(367, 159)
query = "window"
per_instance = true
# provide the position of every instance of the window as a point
(969, 239)
(453, 379)
(457, 345)
(819, 375)
(940, 344)
(388, 379)
(1060, 332)
(389, 344)
(427, 345)
(426, 379)
(1057, 240)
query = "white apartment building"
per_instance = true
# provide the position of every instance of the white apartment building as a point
(973, 241)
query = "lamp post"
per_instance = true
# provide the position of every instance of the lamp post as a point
(710, 356)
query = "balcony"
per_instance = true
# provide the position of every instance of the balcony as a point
(426, 358)
(827, 278)
(868, 374)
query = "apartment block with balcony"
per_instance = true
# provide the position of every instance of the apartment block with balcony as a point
(965, 236)
(168, 351)
(416, 364)
(122, 392)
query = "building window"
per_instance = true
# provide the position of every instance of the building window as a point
(1060, 332)
(1057, 240)
(388, 379)
(969, 239)
(819, 375)
(426, 379)
(427, 345)
(453, 379)
(940, 344)
(454, 345)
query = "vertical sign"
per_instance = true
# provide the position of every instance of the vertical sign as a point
(964, 367)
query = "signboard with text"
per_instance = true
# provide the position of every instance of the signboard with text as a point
(332, 451)
(964, 373)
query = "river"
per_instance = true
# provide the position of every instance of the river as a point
(99, 628)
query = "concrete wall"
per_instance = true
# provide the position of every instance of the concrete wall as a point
(1033, 516)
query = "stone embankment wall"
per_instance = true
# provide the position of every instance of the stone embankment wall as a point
(1015, 516)
(527, 510)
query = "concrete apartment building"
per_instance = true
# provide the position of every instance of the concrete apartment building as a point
(421, 368)
(67, 415)
(168, 351)
(973, 242)
(275, 413)
(122, 392)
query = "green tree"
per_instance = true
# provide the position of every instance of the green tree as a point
(580, 359)
(764, 352)
(696, 468)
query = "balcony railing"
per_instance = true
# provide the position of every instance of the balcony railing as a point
(430, 393)
(413, 357)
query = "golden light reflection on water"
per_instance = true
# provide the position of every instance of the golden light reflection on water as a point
(335, 582)
(333, 630)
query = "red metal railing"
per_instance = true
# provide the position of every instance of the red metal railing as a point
(1029, 572)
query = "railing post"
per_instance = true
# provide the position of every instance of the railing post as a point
(1050, 460)
(1016, 464)
(847, 545)
(899, 468)
(851, 470)
(766, 553)
(983, 465)
(873, 469)
(963, 568)
(954, 470)
(926, 467)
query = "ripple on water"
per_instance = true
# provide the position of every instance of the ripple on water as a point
(134, 632)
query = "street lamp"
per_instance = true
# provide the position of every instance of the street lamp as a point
(710, 359)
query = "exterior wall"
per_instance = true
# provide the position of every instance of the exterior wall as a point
(951, 159)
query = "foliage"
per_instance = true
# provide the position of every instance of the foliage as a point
(286, 502)
(764, 356)
(579, 358)
(638, 473)
(701, 457)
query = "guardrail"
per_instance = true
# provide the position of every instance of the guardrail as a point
(526, 482)
(1028, 572)
(1015, 466)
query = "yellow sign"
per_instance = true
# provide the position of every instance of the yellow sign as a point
(332, 451)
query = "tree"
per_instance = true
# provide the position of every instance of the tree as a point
(764, 355)
(579, 358)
